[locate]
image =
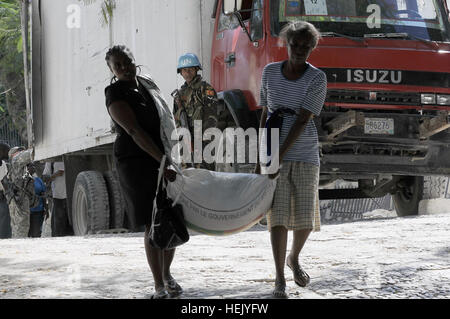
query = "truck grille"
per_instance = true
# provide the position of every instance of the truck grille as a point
(373, 97)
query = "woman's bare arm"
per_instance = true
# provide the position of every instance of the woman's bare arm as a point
(262, 124)
(123, 115)
(296, 130)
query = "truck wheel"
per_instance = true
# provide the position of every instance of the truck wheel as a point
(408, 196)
(116, 200)
(90, 204)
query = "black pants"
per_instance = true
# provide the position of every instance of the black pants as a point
(60, 218)
(5, 220)
(36, 221)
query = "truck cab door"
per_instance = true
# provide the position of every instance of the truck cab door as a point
(238, 60)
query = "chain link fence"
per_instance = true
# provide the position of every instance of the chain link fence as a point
(10, 136)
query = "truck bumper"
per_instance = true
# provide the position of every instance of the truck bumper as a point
(415, 144)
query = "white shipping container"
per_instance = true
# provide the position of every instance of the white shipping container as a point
(70, 121)
(70, 72)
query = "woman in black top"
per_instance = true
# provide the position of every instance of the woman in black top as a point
(138, 151)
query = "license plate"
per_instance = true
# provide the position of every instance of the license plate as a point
(379, 126)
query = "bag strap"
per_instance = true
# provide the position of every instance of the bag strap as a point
(178, 170)
(155, 206)
(162, 181)
(160, 173)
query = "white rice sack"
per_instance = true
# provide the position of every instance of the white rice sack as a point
(217, 203)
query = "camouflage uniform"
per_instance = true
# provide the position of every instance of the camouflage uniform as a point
(199, 99)
(17, 196)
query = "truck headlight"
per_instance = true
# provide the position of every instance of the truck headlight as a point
(443, 99)
(428, 98)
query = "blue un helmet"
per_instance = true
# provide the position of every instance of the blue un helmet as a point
(188, 60)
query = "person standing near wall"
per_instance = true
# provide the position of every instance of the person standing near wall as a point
(37, 213)
(54, 171)
(17, 190)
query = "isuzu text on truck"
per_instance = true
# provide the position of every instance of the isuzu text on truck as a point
(385, 122)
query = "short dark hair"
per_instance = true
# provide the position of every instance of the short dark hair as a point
(119, 50)
(116, 51)
(4, 148)
(301, 29)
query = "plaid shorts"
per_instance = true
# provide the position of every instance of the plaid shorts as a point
(296, 200)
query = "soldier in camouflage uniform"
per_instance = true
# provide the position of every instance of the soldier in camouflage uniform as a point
(17, 191)
(197, 100)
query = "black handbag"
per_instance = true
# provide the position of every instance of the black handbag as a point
(168, 229)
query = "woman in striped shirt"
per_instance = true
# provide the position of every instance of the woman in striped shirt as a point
(296, 90)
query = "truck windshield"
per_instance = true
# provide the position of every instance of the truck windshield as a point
(401, 19)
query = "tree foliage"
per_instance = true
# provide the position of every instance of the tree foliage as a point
(106, 12)
(12, 90)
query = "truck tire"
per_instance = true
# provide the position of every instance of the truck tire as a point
(116, 200)
(90, 204)
(408, 196)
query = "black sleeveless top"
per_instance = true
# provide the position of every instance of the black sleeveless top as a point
(147, 116)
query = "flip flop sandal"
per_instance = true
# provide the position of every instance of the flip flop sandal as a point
(160, 294)
(173, 288)
(301, 278)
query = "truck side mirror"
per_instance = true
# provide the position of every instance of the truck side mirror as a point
(231, 6)
(448, 9)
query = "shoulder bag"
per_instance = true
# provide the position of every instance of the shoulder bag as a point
(168, 229)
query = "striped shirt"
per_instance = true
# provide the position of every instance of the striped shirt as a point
(307, 92)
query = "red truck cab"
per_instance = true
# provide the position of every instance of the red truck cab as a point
(385, 122)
